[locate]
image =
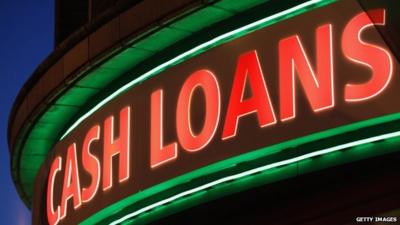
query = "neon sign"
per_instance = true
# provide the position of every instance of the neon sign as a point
(202, 112)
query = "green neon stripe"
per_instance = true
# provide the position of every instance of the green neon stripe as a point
(270, 176)
(251, 156)
(291, 12)
(254, 171)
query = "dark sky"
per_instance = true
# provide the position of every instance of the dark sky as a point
(26, 38)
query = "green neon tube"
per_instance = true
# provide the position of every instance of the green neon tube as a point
(257, 170)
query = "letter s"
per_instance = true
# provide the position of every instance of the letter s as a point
(378, 59)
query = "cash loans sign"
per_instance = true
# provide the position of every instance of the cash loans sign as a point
(197, 113)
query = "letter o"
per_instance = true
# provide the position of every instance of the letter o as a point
(207, 82)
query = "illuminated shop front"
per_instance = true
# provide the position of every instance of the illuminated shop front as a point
(250, 112)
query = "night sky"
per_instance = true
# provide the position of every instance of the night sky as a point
(27, 37)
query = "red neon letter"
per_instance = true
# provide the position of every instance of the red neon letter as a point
(376, 58)
(71, 185)
(113, 147)
(248, 67)
(91, 164)
(205, 80)
(53, 216)
(159, 154)
(318, 87)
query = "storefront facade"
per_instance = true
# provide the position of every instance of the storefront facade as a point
(258, 112)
